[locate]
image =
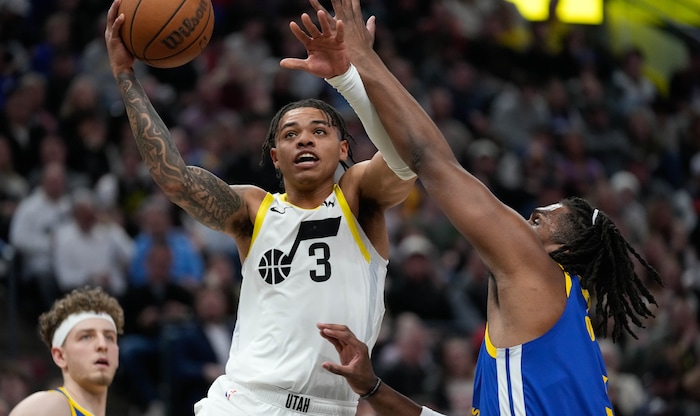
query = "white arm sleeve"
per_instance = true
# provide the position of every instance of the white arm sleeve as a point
(350, 86)
(429, 412)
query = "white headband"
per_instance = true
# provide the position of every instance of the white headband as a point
(595, 215)
(59, 336)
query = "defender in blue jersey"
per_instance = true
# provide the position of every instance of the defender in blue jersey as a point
(81, 331)
(540, 356)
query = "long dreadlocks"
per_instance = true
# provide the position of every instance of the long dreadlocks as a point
(597, 252)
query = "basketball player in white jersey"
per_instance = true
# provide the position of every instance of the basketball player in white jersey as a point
(315, 253)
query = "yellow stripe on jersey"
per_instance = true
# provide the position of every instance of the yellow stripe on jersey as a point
(489, 346)
(352, 223)
(260, 216)
(75, 408)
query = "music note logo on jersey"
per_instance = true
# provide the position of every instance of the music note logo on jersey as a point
(274, 266)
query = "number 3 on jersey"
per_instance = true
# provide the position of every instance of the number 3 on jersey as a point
(275, 266)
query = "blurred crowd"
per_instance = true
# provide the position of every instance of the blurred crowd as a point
(536, 110)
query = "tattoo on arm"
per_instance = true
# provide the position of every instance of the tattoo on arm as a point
(204, 196)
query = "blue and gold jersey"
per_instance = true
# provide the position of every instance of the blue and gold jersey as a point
(560, 373)
(75, 409)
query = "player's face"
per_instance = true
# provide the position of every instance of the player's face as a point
(308, 148)
(546, 221)
(91, 353)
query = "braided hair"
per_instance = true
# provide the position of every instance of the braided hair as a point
(334, 118)
(595, 250)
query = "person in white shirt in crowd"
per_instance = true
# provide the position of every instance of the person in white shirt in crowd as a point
(31, 234)
(91, 249)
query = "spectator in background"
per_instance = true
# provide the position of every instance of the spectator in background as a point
(125, 189)
(625, 389)
(186, 266)
(32, 234)
(442, 110)
(603, 139)
(200, 350)
(580, 172)
(452, 393)
(18, 124)
(13, 187)
(632, 88)
(406, 363)
(15, 384)
(684, 84)
(633, 215)
(417, 285)
(93, 154)
(516, 111)
(52, 149)
(91, 249)
(151, 311)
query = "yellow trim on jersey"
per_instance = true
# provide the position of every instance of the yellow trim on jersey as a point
(584, 292)
(352, 223)
(73, 404)
(487, 340)
(260, 216)
(489, 346)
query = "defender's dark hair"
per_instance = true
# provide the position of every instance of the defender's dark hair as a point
(334, 118)
(600, 256)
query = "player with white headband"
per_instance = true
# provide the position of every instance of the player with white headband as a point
(81, 332)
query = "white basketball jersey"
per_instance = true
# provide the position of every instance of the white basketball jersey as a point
(304, 266)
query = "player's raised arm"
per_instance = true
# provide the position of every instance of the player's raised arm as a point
(384, 179)
(469, 204)
(204, 196)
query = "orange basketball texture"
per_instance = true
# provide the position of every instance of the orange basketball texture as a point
(166, 33)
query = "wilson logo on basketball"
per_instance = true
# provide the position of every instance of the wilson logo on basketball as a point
(189, 24)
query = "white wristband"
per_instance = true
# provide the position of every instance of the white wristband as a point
(350, 86)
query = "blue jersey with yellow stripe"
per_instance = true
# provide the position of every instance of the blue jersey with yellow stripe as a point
(560, 373)
(75, 409)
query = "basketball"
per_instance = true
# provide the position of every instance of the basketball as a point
(166, 34)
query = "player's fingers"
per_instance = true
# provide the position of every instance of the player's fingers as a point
(317, 6)
(335, 368)
(337, 343)
(334, 327)
(112, 13)
(299, 33)
(324, 21)
(340, 31)
(338, 9)
(356, 9)
(293, 63)
(343, 334)
(310, 26)
(372, 26)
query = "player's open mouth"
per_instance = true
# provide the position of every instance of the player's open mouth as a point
(306, 159)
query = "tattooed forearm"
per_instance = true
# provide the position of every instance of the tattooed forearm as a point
(205, 197)
(208, 199)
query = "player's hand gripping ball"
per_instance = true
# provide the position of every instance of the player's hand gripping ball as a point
(166, 33)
